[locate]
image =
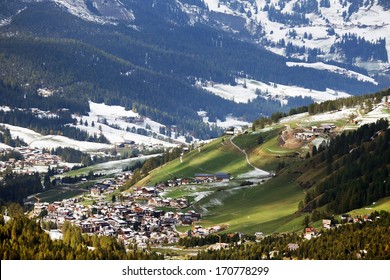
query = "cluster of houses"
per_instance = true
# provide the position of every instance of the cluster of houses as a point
(312, 132)
(135, 217)
(210, 178)
(34, 160)
(233, 130)
(129, 220)
(312, 232)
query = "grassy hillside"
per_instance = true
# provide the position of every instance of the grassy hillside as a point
(271, 206)
(213, 157)
(382, 204)
(268, 207)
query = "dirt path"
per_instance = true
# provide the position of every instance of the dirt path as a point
(260, 171)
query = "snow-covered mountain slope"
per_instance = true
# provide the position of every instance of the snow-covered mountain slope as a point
(312, 30)
(99, 11)
(355, 32)
(247, 90)
(124, 126)
(36, 140)
(333, 68)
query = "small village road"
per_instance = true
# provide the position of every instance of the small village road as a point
(246, 156)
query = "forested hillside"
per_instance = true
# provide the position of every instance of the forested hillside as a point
(368, 240)
(151, 65)
(357, 171)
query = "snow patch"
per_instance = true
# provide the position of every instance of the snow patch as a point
(111, 11)
(334, 69)
(247, 89)
(5, 147)
(36, 140)
(115, 124)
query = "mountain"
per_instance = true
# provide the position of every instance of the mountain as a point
(162, 58)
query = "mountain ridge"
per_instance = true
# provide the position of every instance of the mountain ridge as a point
(165, 45)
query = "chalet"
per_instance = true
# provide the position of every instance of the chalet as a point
(155, 201)
(182, 203)
(273, 254)
(304, 135)
(202, 177)
(89, 227)
(184, 181)
(221, 176)
(259, 235)
(346, 218)
(149, 190)
(126, 233)
(115, 222)
(293, 246)
(326, 223)
(367, 218)
(39, 207)
(310, 233)
(96, 191)
(215, 229)
(194, 215)
(172, 183)
(55, 234)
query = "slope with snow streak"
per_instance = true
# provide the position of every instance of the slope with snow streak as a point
(116, 127)
(335, 69)
(242, 93)
(36, 140)
(109, 12)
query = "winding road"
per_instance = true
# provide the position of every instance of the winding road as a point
(260, 171)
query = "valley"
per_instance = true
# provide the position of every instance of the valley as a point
(249, 183)
(194, 129)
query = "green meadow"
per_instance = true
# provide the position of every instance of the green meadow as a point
(382, 204)
(268, 207)
(211, 158)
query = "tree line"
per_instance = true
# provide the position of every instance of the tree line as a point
(24, 239)
(366, 240)
(15, 187)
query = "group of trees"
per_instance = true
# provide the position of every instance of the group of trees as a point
(47, 125)
(15, 188)
(68, 154)
(354, 46)
(293, 18)
(385, 4)
(6, 138)
(307, 6)
(188, 242)
(363, 101)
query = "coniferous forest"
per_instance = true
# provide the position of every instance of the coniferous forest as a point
(24, 239)
(357, 170)
(367, 240)
(149, 71)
